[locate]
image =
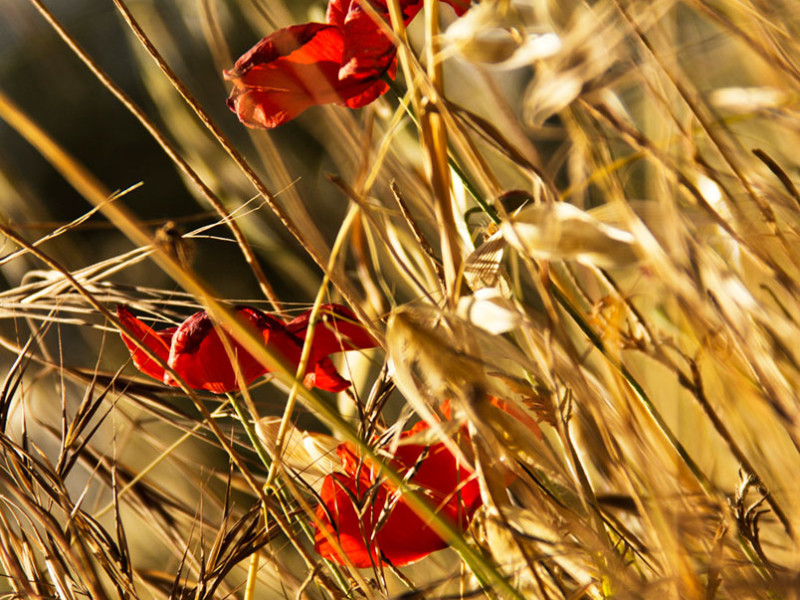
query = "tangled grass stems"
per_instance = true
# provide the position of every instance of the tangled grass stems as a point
(92, 190)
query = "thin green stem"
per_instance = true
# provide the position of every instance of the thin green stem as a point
(258, 446)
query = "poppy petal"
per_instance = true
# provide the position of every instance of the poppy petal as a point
(367, 52)
(340, 12)
(340, 520)
(405, 538)
(291, 70)
(198, 355)
(450, 485)
(321, 372)
(460, 6)
(326, 377)
(273, 332)
(158, 342)
(401, 537)
(337, 330)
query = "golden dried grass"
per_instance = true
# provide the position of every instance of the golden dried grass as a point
(664, 384)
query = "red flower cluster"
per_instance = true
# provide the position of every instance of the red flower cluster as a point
(371, 521)
(343, 60)
(195, 351)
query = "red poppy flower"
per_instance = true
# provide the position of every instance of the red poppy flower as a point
(372, 522)
(341, 61)
(195, 351)
(296, 68)
(365, 47)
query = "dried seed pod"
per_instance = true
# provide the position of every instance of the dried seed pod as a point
(437, 357)
(483, 267)
(519, 531)
(429, 352)
(561, 231)
(504, 37)
(490, 310)
(169, 237)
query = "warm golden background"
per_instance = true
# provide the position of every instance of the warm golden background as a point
(663, 371)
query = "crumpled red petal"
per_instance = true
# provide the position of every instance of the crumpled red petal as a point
(343, 60)
(337, 330)
(324, 376)
(339, 11)
(198, 355)
(366, 49)
(340, 496)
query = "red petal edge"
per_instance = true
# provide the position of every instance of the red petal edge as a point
(155, 341)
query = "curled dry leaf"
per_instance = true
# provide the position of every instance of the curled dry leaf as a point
(520, 530)
(490, 310)
(438, 357)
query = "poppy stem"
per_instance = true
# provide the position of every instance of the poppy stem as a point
(259, 448)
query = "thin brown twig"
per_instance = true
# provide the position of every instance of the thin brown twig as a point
(776, 169)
